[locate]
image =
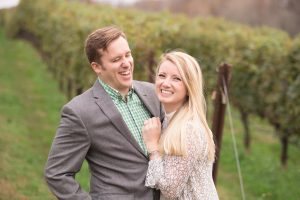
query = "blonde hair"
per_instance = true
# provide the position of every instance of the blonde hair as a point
(173, 140)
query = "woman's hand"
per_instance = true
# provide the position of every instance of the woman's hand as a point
(151, 133)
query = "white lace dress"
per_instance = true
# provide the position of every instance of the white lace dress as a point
(184, 178)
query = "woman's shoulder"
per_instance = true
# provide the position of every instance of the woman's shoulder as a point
(196, 140)
(195, 127)
(196, 133)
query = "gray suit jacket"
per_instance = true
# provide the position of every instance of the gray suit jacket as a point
(92, 128)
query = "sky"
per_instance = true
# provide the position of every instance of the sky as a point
(12, 3)
(117, 2)
(8, 3)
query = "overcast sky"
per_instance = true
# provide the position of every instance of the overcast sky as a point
(8, 3)
(12, 3)
(117, 2)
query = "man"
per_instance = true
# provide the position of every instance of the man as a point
(103, 125)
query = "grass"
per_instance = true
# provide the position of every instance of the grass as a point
(263, 176)
(30, 104)
(29, 107)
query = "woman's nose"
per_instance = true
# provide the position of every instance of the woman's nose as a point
(166, 82)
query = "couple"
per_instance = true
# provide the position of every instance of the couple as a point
(135, 148)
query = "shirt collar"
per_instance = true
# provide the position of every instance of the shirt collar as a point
(115, 94)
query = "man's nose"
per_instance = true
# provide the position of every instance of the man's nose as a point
(125, 62)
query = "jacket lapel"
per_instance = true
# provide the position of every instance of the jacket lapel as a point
(105, 103)
(148, 101)
(151, 102)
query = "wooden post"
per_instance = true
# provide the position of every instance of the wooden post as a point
(220, 101)
(247, 137)
(284, 141)
(151, 66)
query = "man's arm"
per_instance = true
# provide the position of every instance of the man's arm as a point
(66, 156)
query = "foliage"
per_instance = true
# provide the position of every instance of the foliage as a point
(265, 79)
(30, 103)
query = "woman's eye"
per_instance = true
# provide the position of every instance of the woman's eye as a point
(177, 79)
(161, 75)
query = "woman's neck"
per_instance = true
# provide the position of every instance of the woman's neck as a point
(169, 109)
(169, 115)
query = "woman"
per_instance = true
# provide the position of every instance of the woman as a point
(181, 159)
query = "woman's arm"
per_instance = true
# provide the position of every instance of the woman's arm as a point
(170, 173)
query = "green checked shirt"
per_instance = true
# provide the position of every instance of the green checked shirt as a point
(133, 111)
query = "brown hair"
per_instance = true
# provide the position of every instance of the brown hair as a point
(99, 40)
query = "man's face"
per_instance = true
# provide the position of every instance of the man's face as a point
(116, 68)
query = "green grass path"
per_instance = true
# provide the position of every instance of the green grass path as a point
(30, 104)
(29, 113)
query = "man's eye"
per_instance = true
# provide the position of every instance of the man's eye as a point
(116, 59)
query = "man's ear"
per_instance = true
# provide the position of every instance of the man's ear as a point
(96, 67)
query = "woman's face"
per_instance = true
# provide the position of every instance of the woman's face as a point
(169, 87)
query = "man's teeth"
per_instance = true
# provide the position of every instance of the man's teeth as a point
(125, 73)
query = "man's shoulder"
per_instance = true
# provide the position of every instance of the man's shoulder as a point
(81, 99)
(143, 84)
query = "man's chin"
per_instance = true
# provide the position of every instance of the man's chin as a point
(128, 83)
(127, 86)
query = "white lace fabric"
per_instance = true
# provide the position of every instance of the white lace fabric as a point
(184, 178)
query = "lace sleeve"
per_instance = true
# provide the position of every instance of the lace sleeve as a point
(170, 174)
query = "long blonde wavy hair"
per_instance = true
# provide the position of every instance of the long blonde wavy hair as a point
(193, 110)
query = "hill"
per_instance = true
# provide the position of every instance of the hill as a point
(30, 103)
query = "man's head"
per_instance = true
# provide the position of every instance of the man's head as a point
(99, 40)
(110, 57)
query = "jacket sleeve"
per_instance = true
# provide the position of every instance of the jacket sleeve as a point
(66, 156)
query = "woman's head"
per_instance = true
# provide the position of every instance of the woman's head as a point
(178, 80)
(179, 86)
